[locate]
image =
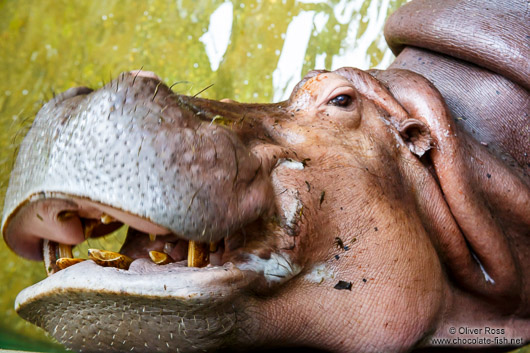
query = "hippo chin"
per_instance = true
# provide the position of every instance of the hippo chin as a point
(354, 217)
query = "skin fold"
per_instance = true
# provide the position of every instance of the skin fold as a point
(360, 215)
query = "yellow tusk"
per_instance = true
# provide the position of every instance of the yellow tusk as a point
(109, 259)
(65, 251)
(106, 219)
(89, 225)
(159, 258)
(65, 262)
(198, 255)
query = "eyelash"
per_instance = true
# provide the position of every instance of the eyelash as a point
(342, 100)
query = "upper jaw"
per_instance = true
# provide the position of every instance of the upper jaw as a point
(136, 147)
(114, 108)
(252, 256)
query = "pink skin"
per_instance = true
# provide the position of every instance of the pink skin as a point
(378, 183)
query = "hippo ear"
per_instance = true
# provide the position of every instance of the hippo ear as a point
(416, 135)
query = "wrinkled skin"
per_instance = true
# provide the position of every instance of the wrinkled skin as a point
(359, 177)
(481, 69)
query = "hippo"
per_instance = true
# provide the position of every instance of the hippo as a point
(372, 211)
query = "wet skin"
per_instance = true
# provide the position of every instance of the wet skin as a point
(356, 216)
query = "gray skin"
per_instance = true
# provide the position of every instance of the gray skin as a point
(359, 177)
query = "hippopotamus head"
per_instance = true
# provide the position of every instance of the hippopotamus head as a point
(327, 220)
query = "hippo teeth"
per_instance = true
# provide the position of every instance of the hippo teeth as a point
(198, 254)
(161, 249)
(159, 258)
(107, 258)
(57, 256)
(65, 262)
(106, 219)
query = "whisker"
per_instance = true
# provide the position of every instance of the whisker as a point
(135, 76)
(178, 82)
(204, 89)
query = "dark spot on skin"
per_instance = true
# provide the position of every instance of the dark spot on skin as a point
(40, 217)
(337, 257)
(339, 243)
(375, 228)
(322, 194)
(354, 240)
(308, 186)
(364, 280)
(488, 175)
(343, 285)
(341, 208)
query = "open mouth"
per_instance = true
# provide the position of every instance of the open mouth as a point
(153, 261)
(147, 247)
(162, 249)
(248, 256)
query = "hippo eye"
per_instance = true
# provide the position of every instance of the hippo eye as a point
(342, 100)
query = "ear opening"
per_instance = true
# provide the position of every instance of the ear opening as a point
(416, 135)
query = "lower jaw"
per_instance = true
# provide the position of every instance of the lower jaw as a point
(226, 275)
(88, 307)
(91, 308)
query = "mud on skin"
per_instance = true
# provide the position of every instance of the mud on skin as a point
(356, 216)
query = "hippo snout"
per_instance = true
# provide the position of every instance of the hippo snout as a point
(136, 146)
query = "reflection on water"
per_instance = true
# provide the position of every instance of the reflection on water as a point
(251, 50)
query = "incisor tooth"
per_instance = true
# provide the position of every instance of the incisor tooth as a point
(88, 226)
(49, 255)
(110, 259)
(152, 237)
(106, 219)
(65, 251)
(198, 255)
(65, 262)
(53, 253)
(159, 258)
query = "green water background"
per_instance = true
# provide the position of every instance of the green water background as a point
(49, 46)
